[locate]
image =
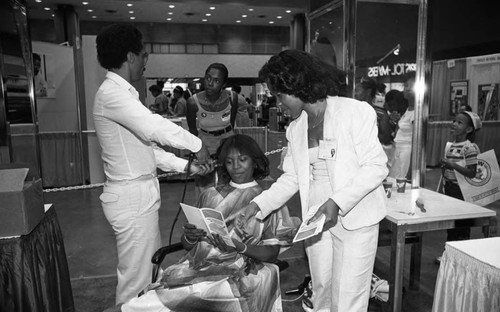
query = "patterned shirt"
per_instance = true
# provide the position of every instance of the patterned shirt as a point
(458, 151)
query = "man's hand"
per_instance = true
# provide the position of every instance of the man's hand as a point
(200, 169)
(203, 155)
(331, 210)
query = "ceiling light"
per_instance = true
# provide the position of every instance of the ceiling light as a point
(244, 15)
(131, 12)
(53, 15)
(208, 14)
(129, 4)
(132, 17)
(46, 9)
(169, 19)
(238, 21)
(90, 10)
(38, 1)
(279, 16)
(288, 11)
(212, 8)
(204, 20)
(171, 6)
(93, 16)
(271, 22)
(251, 10)
(170, 13)
(84, 2)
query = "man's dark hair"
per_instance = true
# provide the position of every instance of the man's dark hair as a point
(236, 88)
(114, 42)
(155, 88)
(36, 57)
(370, 85)
(395, 101)
(221, 67)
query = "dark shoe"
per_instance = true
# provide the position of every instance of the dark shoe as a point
(307, 304)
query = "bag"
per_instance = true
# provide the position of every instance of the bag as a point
(484, 188)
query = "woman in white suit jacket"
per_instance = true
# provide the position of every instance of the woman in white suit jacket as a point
(336, 162)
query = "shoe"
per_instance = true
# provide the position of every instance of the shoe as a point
(306, 298)
(438, 260)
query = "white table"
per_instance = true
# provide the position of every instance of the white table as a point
(442, 213)
(469, 277)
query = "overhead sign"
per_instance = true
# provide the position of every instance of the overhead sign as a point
(398, 69)
(486, 59)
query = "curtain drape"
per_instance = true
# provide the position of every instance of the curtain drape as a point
(440, 93)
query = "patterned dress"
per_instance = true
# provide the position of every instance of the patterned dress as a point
(206, 279)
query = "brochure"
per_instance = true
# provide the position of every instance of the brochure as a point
(312, 229)
(209, 220)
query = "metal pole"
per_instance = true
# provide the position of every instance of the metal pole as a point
(421, 109)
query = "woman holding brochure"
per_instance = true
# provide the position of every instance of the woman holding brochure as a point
(220, 277)
(335, 160)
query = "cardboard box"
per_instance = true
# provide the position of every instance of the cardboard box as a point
(21, 203)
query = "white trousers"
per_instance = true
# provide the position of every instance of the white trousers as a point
(402, 158)
(131, 208)
(341, 265)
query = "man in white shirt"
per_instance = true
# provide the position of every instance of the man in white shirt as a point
(128, 133)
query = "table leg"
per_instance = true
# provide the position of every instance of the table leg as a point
(491, 229)
(416, 259)
(397, 263)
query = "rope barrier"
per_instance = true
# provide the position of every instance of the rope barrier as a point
(163, 175)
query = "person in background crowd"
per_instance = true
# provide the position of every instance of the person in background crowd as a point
(214, 111)
(190, 90)
(369, 90)
(127, 132)
(180, 108)
(161, 102)
(40, 83)
(335, 160)
(404, 134)
(463, 130)
(395, 105)
(243, 116)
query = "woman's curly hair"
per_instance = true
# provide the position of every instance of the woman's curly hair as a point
(247, 146)
(302, 75)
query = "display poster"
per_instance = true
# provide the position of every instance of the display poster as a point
(458, 95)
(487, 104)
(484, 188)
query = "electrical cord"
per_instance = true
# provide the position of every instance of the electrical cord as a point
(188, 172)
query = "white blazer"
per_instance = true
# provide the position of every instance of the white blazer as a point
(356, 171)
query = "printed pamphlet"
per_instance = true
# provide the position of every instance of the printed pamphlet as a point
(209, 220)
(312, 229)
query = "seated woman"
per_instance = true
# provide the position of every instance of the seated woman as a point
(213, 276)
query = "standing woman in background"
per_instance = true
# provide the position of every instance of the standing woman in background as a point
(214, 109)
(404, 134)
